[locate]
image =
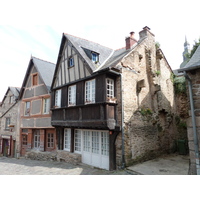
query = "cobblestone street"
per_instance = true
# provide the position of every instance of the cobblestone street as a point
(21, 166)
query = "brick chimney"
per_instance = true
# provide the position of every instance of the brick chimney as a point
(130, 41)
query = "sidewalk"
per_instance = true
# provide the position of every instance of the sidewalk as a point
(166, 165)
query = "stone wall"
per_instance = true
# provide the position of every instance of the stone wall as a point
(149, 104)
(58, 155)
(195, 77)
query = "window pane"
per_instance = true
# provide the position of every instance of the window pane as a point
(67, 139)
(90, 91)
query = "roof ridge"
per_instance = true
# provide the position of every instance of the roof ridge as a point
(42, 60)
(88, 40)
(120, 48)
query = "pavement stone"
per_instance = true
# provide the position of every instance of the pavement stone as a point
(22, 166)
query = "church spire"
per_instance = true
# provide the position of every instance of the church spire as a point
(185, 52)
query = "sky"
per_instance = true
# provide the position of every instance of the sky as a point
(35, 28)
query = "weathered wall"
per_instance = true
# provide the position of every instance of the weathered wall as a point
(149, 106)
(195, 77)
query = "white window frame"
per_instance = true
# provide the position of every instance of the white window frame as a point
(95, 57)
(58, 98)
(90, 90)
(77, 141)
(36, 140)
(46, 105)
(7, 122)
(27, 108)
(72, 95)
(67, 139)
(110, 88)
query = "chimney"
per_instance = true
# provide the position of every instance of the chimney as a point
(145, 32)
(130, 41)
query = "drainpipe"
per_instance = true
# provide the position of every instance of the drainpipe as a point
(122, 121)
(122, 117)
(196, 145)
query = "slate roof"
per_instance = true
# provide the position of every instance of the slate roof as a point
(85, 47)
(194, 62)
(45, 69)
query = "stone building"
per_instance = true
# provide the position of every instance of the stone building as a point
(36, 132)
(9, 123)
(192, 73)
(113, 107)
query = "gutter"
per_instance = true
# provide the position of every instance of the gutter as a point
(196, 145)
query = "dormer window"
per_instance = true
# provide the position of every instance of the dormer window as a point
(95, 57)
(71, 62)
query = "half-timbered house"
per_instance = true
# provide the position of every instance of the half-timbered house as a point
(36, 132)
(9, 123)
(97, 97)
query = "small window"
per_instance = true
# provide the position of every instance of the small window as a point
(67, 139)
(71, 62)
(95, 57)
(11, 100)
(58, 98)
(50, 140)
(24, 139)
(46, 106)
(90, 91)
(27, 108)
(35, 79)
(7, 123)
(72, 95)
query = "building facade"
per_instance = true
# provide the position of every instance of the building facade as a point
(113, 107)
(192, 73)
(9, 123)
(36, 132)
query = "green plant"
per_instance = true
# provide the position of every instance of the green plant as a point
(157, 44)
(146, 111)
(180, 85)
(157, 73)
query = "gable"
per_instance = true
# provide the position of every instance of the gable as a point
(69, 71)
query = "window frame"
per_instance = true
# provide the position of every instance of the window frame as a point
(110, 92)
(24, 139)
(27, 109)
(46, 106)
(58, 98)
(95, 57)
(90, 91)
(67, 139)
(36, 139)
(7, 123)
(72, 95)
(77, 141)
(35, 79)
(50, 140)
(71, 61)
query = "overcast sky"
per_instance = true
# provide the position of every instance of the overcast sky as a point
(35, 28)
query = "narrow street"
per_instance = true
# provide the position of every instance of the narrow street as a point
(21, 166)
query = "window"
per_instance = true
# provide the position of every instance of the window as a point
(90, 91)
(58, 98)
(50, 140)
(46, 105)
(27, 108)
(36, 138)
(95, 57)
(104, 143)
(7, 123)
(71, 62)
(110, 88)
(11, 100)
(72, 95)
(95, 142)
(67, 139)
(77, 141)
(34, 79)
(24, 139)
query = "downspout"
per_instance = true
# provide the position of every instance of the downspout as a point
(122, 121)
(196, 145)
(122, 117)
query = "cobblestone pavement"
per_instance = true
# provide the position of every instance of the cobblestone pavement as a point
(22, 166)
